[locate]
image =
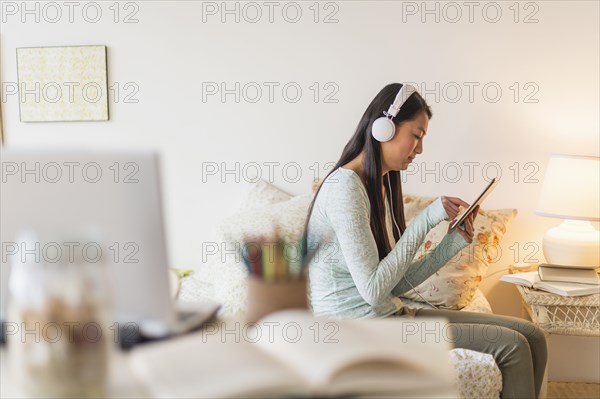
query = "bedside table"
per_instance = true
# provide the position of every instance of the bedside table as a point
(572, 325)
(563, 315)
(557, 314)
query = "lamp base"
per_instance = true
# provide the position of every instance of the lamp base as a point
(574, 243)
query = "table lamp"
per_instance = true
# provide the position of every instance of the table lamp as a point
(571, 191)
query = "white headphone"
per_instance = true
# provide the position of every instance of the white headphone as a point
(383, 128)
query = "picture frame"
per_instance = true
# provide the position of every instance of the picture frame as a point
(63, 83)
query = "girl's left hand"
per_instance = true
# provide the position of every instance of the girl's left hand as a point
(468, 224)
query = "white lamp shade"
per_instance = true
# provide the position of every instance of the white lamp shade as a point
(571, 188)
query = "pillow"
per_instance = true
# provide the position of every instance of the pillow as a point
(288, 216)
(227, 264)
(263, 193)
(455, 284)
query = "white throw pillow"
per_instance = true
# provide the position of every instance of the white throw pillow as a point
(263, 193)
(227, 265)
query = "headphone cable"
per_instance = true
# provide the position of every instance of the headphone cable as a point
(399, 234)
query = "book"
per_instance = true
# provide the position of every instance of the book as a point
(549, 272)
(532, 280)
(293, 353)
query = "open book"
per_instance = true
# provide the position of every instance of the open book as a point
(293, 353)
(532, 280)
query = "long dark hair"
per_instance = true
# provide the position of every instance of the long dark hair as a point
(363, 139)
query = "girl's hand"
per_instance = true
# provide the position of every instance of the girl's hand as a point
(451, 205)
(469, 230)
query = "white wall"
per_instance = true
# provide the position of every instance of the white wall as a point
(170, 51)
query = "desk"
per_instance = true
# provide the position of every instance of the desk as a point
(217, 360)
(122, 382)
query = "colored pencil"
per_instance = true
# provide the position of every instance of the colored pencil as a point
(267, 258)
(254, 257)
(281, 266)
(268, 262)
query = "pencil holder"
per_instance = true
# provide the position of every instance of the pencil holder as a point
(265, 297)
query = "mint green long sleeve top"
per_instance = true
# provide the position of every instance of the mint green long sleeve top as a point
(347, 279)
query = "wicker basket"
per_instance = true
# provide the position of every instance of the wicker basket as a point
(563, 315)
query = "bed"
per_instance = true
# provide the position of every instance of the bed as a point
(222, 277)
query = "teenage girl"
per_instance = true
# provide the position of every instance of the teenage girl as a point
(359, 211)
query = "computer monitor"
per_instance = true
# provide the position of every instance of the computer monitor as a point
(110, 199)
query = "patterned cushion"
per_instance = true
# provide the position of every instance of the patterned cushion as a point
(454, 285)
(476, 374)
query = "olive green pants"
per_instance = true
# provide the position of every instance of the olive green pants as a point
(517, 345)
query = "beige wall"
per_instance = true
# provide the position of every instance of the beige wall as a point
(545, 64)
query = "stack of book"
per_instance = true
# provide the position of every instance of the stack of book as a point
(560, 280)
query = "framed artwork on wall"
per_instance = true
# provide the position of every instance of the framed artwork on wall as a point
(62, 83)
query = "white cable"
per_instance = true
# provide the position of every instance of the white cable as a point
(391, 204)
(399, 234)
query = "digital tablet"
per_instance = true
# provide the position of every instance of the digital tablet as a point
(478, 201)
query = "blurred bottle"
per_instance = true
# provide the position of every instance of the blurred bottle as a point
(60, 310)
